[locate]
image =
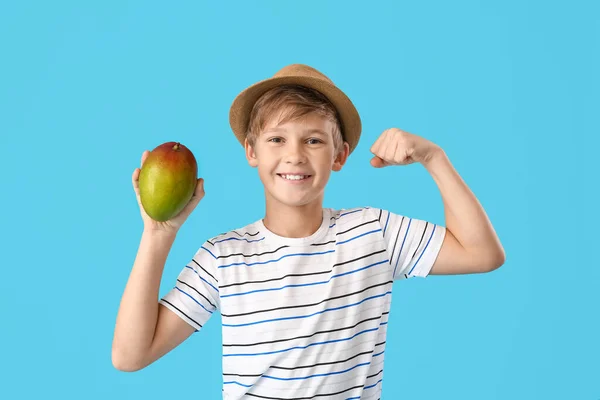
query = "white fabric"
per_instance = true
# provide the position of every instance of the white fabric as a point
(307, 317)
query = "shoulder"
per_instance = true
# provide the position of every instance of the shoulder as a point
(349, 219)
(235, 239)
(355, 214)
(246, 234)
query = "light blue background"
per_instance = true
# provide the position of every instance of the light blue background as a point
(510, 89)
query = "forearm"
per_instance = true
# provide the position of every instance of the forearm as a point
(465, 217)
(137, 316)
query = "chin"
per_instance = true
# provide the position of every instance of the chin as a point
(295, 201)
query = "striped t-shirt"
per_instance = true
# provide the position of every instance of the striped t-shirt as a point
(305, 318)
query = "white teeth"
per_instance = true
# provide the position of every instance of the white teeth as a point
(294, 177)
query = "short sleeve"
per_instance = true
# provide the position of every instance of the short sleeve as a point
(412, 244)
(196, 293)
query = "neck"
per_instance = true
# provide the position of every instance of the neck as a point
(293, 221)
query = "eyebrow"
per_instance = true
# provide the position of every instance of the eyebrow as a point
(315, 130)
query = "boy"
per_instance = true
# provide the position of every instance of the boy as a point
(305, 292)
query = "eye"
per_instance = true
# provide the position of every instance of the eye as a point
(314, 141)
(275, 140)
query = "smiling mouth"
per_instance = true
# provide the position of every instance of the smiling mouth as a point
(294, 178)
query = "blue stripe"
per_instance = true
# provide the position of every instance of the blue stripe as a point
(215, 257)
(304, 284)
(366, 387)
(386, 223)
(350, 212)
(236, 383)
(236, 238)
(309, 315)
(356, 237)
(373, 385)
(400, 253)
(258, 240)
(303, 347)
(188, 295)
(301, 378)
(207, 282)
(423, 250)
(290, 255)
(278, 259)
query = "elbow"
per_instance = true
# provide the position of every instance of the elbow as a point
(495, 261)
(124, 363)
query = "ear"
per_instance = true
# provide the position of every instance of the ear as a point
(341, 158)
(250, 154)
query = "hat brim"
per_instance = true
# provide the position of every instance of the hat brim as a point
(239, 114)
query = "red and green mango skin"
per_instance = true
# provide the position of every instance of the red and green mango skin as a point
(167, 180)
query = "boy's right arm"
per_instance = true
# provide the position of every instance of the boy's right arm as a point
(145, 330)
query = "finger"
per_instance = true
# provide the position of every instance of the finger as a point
(135, 179)
(200, 187)
(377, 145)
(377, 162)
(375, 148)
(392, 149)
(400, 157)
(196, 197)
(144, 157)
(199, 192)
(386, 140)
(386, 145)
(404, 156)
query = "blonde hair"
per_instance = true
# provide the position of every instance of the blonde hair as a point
(292, 102)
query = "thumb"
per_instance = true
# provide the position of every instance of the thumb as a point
(199, 192)
(196, 197)
(377, 162)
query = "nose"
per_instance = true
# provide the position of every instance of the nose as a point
(294, 154)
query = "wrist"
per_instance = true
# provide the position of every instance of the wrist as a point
(160, 234)
(436, 156)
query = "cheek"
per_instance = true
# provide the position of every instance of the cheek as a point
(326, 162)
(266, 168)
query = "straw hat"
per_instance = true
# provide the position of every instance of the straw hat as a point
(299, 74)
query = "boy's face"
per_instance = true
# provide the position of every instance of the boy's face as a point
(295, 159)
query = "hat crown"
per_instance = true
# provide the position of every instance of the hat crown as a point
(301, 70)
(297, 74)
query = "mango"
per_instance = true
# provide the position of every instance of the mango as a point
(167, 180)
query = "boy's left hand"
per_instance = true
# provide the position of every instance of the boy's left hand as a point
(398, 147)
